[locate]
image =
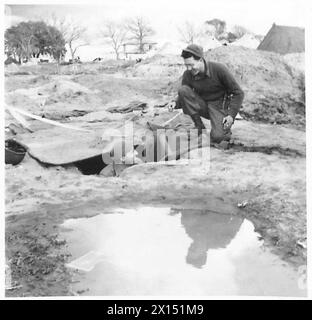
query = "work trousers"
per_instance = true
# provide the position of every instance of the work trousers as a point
(215, 111)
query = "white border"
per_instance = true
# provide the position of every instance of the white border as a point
(308, 68)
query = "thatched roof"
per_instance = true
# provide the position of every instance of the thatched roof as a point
(283, 39)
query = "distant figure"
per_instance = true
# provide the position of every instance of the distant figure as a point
(209, 90)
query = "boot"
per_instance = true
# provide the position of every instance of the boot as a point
(223, 145)
(198, 123)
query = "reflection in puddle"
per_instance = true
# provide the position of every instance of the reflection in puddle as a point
(207, 231)
(165, 251)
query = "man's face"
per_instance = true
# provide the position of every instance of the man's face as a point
(195, 66)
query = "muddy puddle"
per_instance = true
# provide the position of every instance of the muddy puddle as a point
(165, 251)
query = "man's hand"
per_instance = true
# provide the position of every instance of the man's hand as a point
(171, 105)
(227, 122)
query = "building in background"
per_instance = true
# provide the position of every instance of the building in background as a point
(283, 40)
(131, 49)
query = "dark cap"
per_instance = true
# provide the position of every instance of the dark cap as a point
(195, 49)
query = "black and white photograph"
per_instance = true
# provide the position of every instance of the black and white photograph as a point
(155, 149)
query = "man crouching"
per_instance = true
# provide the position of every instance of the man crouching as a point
(208, 90)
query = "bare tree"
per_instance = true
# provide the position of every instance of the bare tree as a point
(219, 25)
(72, 32)
(75, 39)
(189, 33)
(115, 33)
(140, 30)
(239, 31)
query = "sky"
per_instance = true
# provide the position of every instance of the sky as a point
(164, 15)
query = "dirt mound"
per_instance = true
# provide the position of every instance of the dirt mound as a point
(248, 41)
(159, 66)
(65, 88)
(56, 90)
(12, 67)
(57, 99)
(274, 91)
(33, 69)
(296, 60)
(104, 66)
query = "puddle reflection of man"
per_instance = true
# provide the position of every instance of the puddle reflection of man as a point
(208, 231)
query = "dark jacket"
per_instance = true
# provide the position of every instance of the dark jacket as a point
(216, 83)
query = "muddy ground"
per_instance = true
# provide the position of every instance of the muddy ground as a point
(265, 168)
